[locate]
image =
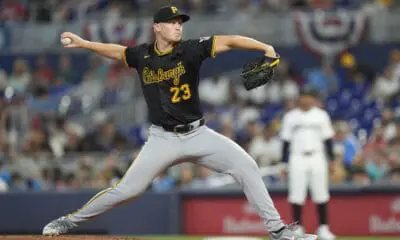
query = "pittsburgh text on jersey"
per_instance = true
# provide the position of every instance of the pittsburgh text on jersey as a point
(170, 79)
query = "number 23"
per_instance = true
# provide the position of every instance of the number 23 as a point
(176, 96)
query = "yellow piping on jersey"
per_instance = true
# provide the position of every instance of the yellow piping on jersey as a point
(213, 54)
(124, 57)
(159, 53)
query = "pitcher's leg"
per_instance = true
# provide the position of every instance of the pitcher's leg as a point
(158, 153)
(223, 155)
(145, 167)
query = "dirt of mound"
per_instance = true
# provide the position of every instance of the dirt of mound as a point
(65, 237)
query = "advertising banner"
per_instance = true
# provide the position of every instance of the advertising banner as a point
(349, 215)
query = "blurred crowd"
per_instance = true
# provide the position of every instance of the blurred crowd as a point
(43, 147)
(45, 89)
(75, 10)
(55, 153)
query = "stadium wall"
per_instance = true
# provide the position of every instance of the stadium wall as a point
(354, 211)
(27, 213)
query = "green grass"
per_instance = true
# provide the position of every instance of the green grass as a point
(200, 238)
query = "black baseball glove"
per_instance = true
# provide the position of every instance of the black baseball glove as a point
(259, 71)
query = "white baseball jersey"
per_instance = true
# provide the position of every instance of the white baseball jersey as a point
(306, 130)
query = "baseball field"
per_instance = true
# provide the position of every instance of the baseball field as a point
(221, 238)
(92, 237)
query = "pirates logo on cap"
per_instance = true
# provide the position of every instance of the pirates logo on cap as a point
(174, 10)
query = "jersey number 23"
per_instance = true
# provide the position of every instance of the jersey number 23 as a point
(180, 93)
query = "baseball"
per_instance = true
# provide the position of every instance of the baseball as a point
(66, 40)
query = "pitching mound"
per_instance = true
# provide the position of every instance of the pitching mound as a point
(66, 237)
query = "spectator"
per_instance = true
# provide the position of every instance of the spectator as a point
(12, 11)
(59, 180)
(386, 86)
(394, 175)
(106, 139)
(205, 178)
(227, 129)
(86, 174)
(323, 80)
(43, 72)
(338, 173)
(185, 176)
(215, 91)
(63, 12)
(65, 70)
(265, 148)
(58, 86)
(89, 91)
(247, 113)
(163, 182)
(388, 124)
(99, 68)
(376, 140)
(20, 77)
(355, 73)
(395, 64)
(46, 182)
(17, 182)
(322, 4)
(249, 132)
(3, 186)
(111, 174)
(257, 97)
(3, 79)
(43, 11)
(395, 141)
(377, 166)
(37, 142)
(359, 176)
(40, 100)
(60, 137)
(347, 142)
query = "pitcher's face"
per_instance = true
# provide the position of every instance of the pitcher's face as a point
(170, 31)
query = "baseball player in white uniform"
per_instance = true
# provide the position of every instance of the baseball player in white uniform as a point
(307, 134)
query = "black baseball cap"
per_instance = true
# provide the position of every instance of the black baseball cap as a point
(167, 13)
(309, 92)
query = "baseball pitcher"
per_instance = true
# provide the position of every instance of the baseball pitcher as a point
(169, 74)
(307, 146)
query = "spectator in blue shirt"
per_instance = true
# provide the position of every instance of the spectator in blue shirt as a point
(324, 80)
(163, 183)
(348, 142)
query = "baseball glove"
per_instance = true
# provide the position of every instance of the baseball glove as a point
(259, 71)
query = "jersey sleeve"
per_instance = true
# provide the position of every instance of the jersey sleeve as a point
(202, 48)
(286, 129)
(131, 56)
(327, 129)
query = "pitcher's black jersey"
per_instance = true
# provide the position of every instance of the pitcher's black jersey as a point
(170, 79)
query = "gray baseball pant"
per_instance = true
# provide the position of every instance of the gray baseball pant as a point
(201, 146)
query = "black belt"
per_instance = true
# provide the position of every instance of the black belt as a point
(184, 128)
